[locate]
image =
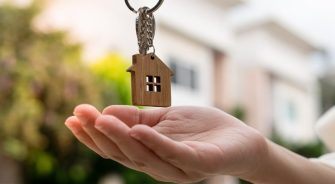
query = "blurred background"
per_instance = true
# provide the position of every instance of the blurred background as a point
(269, 63)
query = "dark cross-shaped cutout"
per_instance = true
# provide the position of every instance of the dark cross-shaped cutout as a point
(153, 83)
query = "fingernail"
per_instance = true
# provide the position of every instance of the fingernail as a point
(68, 121)
(67, 124)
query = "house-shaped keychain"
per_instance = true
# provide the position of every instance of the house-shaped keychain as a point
(150, 81)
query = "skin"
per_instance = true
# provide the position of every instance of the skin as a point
(189, 144)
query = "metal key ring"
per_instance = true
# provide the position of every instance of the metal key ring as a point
(160, 2)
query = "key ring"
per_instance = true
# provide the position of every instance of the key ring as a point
(160, 2)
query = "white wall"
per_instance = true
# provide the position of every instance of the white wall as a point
(295, 113)
(193, 55)
(270, 52)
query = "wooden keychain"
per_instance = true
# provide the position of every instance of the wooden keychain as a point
(150, 77)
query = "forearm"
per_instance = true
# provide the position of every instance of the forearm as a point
(283, 166)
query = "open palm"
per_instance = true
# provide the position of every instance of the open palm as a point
(176, 144)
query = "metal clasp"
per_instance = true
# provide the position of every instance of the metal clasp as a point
(150, 11)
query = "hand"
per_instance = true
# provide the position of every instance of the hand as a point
(176, 144)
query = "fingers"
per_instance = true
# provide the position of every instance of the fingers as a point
(87, 115)
(74, 125)
(151, 117)
(142, 157)
(109, 136)
(132, 115)
(127, 114)
(176, 153)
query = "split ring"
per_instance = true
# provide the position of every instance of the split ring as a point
(153, 9)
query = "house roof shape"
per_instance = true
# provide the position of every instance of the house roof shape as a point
(281, 31)
(148, 61)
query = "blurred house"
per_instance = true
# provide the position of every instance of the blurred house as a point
(279, 81)
(262, 68)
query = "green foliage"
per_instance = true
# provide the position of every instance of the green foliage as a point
(311, 150)
(42, 78)
(238, 112)
(113, 68)
(41, 81)
(244, 182)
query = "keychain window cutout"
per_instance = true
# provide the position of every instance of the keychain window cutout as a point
(153, 83)
(150, 88)
(149, 78)
(158, 88)
(157, 79)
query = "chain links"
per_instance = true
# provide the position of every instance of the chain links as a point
(145, 30)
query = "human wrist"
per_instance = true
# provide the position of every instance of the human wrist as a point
(259, 167)
(280, 165)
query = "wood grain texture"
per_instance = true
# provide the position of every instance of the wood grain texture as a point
(150, 81)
